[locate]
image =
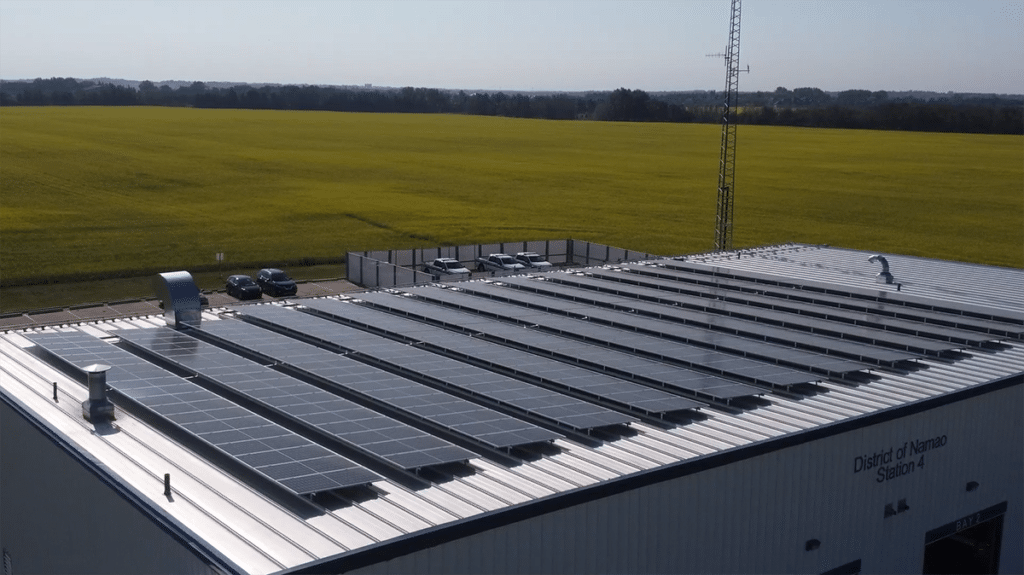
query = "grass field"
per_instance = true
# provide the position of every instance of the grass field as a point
(97, 192)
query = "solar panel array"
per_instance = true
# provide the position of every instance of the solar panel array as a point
(606, 294)
(521, 363)
(291, 460)
(815, 320)
(631, 342)
(900, 312)
(694, 338)
(363, 429)
(502, 390)
(487, 426)
(681, 379)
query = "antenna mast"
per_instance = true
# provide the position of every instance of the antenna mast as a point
(727, 168)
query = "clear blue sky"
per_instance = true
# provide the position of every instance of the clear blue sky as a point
(934, 45)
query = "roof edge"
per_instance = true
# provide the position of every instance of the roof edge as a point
(168, 524)
(426, 539)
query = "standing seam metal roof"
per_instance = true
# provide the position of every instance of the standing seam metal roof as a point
(249, 531)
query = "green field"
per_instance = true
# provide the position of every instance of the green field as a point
(92, 192)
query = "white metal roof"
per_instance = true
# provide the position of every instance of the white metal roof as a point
(258, 535)
(959, 282)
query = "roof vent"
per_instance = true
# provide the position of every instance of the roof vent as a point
(883, 277)
(97, 408)
(180, 297)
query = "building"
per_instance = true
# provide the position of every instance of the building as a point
(784, 409)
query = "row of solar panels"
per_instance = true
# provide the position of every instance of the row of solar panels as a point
(236, 427)
(872, 301)
(497, 366)
(876, 306)
(274, 451)
(810, 332)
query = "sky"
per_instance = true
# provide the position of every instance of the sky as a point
(523, 45)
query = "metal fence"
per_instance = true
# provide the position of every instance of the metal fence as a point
(368, 271)
(398, 268)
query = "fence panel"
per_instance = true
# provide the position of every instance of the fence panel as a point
(407, 276)
(465, 254)
(392, 268)
(369, 272)
(353, 271)
(379, 255)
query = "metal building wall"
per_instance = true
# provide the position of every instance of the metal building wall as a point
(758, 514)
(56, 516)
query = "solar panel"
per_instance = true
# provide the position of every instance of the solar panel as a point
(598, 385)
(566, 350)
(810, 317)
(291, 460)
(631, 342)
(354, 425)
(600, 317)
(907, 314)
(650, 302)
(499, 389)
(476, 422)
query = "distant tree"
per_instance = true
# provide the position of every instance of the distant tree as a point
(628, 105)
(854, 98)
(810, 97)
(480, 105)
(63, 99)
(33, 97)
(253, 99)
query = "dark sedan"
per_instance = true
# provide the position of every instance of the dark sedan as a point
(276, 283)
(243, 287)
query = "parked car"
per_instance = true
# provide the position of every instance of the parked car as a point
(498, 263)
(243, 287)
(276, 283)
(533, 260)
(445, 266)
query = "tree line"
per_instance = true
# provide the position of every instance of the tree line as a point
(804, 107)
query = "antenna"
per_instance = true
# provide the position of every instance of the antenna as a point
(727, 168)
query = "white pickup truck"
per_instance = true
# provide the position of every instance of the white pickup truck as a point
(445, 266)
(498, 263)
(533, 260)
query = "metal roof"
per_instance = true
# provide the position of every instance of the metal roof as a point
(645, 327)
(956, 282)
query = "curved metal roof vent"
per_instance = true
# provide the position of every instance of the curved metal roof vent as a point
(180, 297)
(883, 277)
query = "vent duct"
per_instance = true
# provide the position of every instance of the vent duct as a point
(180, 298)
(97, 408)
(883, 277)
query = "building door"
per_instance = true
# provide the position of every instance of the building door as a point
(968, 545)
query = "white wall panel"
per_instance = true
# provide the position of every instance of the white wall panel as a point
(99, 531)
(756, 514)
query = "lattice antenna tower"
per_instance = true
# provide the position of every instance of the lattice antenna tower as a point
(727, 168)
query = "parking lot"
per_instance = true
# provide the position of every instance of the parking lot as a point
(135, 308)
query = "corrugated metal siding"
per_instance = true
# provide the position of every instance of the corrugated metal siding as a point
(756, 515)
